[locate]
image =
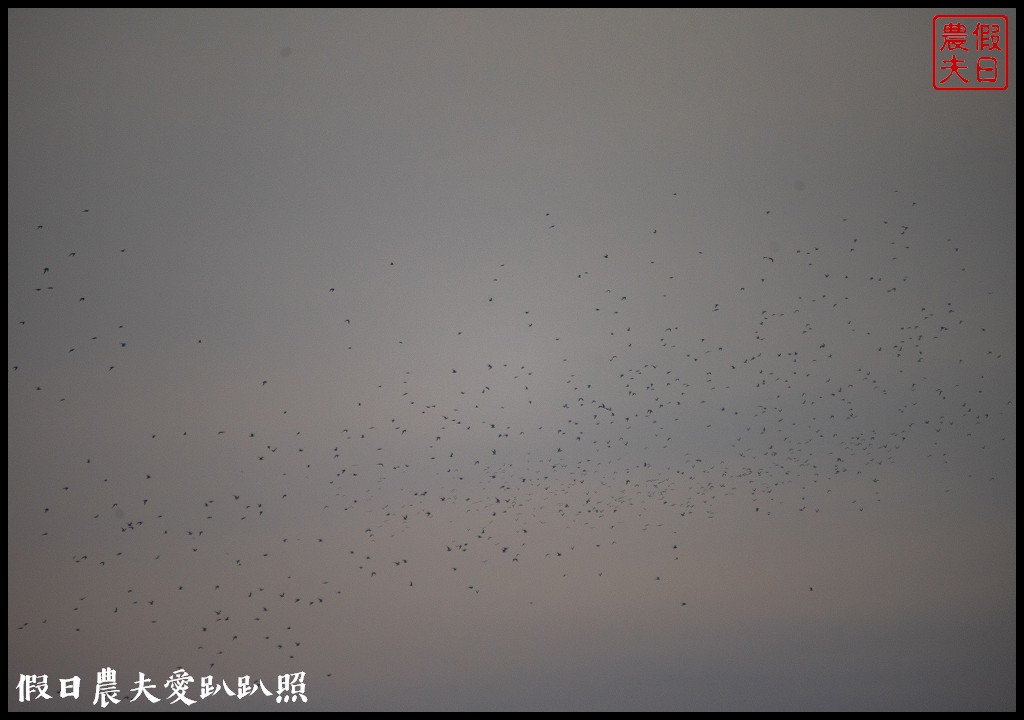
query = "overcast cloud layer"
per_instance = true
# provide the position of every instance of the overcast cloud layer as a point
(510, 360)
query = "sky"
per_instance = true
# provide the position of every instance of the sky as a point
(509, 360)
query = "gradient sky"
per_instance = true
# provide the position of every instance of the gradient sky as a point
(657, 360)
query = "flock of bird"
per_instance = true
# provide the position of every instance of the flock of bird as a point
(603, 396)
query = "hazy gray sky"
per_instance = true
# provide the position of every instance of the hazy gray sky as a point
(510, 360)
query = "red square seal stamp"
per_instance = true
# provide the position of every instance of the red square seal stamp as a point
(970, 52)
